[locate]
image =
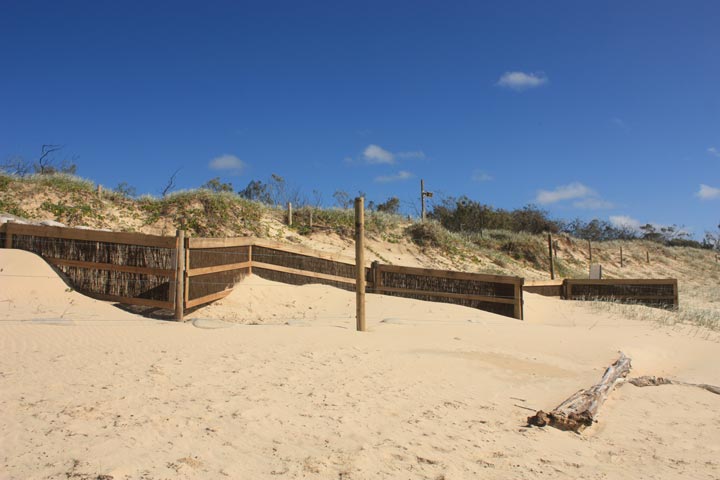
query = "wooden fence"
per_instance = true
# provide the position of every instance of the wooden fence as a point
(651, 292)
(492, 293)
(130, 268)
(140, 269)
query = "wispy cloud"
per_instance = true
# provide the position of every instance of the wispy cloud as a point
(707, 192)
(229, 163)
(520, 81)
(398, 177)
(620, 123)
(375, 154)
(624, 221)
(582, 196)
(480, 176)
(714, 152)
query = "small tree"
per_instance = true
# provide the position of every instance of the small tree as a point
(342, 199)
(391, 205)
(215, 185)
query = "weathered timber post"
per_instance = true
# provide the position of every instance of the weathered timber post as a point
(311, 212)
(99, 191)
(179, 274)
(552, 262)
(374, 274)
(289, 219)
(621, 258)
(250, 261)
(647, 253)
(8, 234)
(590, 250)
(360, 263)
(422, 199)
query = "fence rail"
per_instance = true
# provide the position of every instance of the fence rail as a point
(141, 269)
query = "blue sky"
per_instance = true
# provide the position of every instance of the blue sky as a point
(588, 109)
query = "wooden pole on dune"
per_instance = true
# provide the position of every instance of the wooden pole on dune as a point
(360, 263)
(179, 274)
(590, 250)
(621, 258)
(289, 214)
(8, 234)
(550, 252)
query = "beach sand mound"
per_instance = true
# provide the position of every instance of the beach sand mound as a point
(430, 391)
(30, 290)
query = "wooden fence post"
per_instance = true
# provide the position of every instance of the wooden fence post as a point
(552, 262)
(311, 212)
(250, 259)
(99, 191)
(647, 252)
(518, 307)
(289, 214)
(8, 234)
(621, 258)
(179, 274)
(590, 250)
(360, 263)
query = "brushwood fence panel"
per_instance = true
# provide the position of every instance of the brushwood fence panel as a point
(662, 293)
(295, 266)
(492, 293)
(123, 267)
(213, 267)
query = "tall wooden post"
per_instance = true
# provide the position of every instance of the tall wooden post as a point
(552, 261)
(99, 191)
(621, 258)
(311, 212)
(180, 275)
(8, 234)
(590, 250)
(422, 199)
(290, 219)
(360, 263)
(647, 254)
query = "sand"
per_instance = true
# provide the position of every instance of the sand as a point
(273, 382)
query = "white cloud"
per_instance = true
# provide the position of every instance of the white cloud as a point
(227, 162)
(522, 81)
(375, 154)
(583, 196)
(400, 176)
(565, 192)
(415, 154)
(480, 176)
(714, 152)
(707, 192)
(623, 221)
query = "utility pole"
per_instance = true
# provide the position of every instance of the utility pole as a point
(423, 194)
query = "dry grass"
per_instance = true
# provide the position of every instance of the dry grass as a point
(699, 307)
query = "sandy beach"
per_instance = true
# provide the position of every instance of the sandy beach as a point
(274, 382)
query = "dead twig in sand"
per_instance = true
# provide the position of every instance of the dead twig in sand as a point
(651, 381)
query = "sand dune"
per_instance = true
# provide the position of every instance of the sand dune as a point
(287, 389)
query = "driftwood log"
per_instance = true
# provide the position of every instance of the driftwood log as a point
(649, 381)
(578, 412)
